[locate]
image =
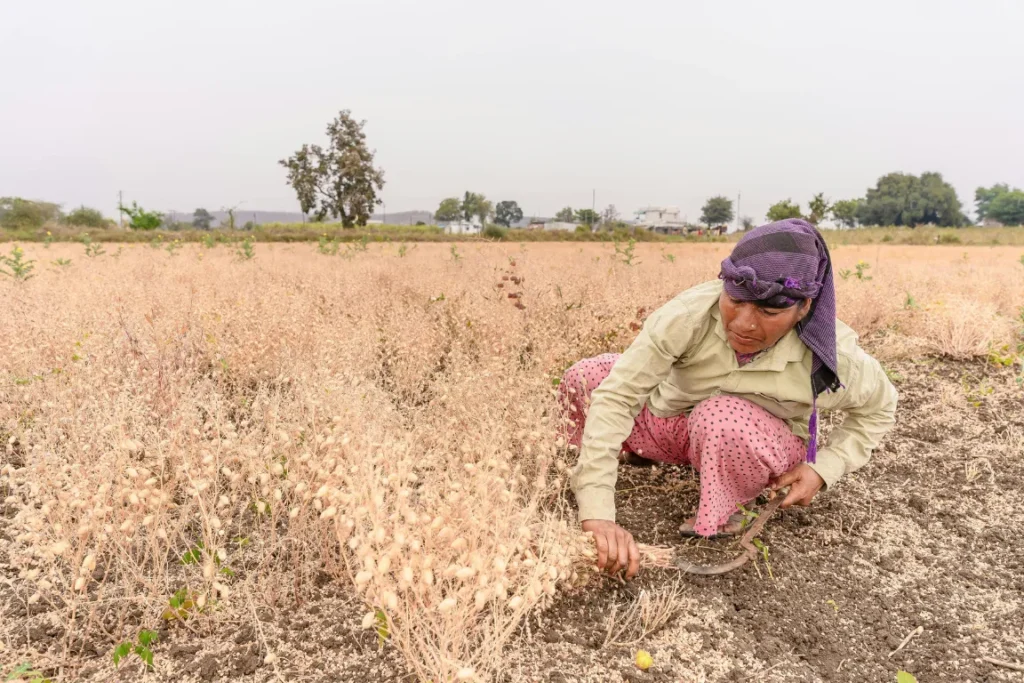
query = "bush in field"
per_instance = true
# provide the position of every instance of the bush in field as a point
(140, 219)
(86, 217)
(495, 232)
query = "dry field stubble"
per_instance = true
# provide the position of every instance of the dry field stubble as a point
(276, 463)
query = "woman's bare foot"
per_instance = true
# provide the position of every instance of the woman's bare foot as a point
(732, 527)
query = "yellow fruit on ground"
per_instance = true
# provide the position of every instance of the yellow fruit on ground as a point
(644, 660)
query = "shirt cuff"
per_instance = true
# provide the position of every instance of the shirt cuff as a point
(595, 503)
(829, 467)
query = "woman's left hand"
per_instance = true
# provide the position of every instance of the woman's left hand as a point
(803, 482)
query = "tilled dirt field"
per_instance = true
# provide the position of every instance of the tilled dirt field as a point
(923, 541)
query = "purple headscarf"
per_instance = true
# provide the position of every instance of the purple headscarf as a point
(779, 264)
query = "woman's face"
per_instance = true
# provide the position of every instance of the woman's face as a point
(751, 328)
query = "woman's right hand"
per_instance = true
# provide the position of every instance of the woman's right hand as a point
(616, 548)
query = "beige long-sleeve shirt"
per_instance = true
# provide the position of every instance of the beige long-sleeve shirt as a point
(682, 356)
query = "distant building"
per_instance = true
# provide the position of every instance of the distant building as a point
(550, 225)
(661, 219)
(462, 227)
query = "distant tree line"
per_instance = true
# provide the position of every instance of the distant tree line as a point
(342, 182)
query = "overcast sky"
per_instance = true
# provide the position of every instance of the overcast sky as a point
(185, 104)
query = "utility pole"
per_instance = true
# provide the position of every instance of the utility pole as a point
(593, 200)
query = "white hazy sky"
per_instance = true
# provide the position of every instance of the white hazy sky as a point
(184, 104)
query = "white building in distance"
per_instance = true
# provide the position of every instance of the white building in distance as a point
(462, 227)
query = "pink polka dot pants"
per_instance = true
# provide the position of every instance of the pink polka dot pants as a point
(736, 446)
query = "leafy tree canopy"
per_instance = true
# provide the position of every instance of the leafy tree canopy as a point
(16, 212)
(449, 210)
(984, 196)
(909, 200)
(202, 219)
(566, 215)
(474, 204)
(818, 207)
(140, 219)
(780, 211)
(1008, 208)
(85, 217)
(717, 210)
(587, 217)
(507, 213)
(341, 180)
(844, 212)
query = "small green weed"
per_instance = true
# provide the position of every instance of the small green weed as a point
(140, 647)
(748, 515)
(910, 303)
(627, 254)
(245, 250)
(760, 545)
(61, 262)
(671, 258)
(209, 242)
(381, 627)
(48, 240)
(180, 606)
(25, 672)
(327, 247)
(20, 267)
(456, 256)
(173, 247)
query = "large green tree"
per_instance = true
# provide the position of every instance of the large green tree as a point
(717, 210)
(909, 200)
(818, 208)
(780, 211)
(202, 219)
(474, 204)
(566, 215)
(16, 212)
(984, 196)
(449, 210)
(506, 213)
(1008, 208)
(587, 217)
(341, 180)
(844, 212)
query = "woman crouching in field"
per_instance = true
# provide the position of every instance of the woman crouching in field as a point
(728, 377)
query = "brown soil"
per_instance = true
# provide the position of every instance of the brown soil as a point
(926, 536)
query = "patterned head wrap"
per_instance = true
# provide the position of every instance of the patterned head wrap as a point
(777, 265)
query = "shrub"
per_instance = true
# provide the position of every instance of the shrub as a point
(86, 217)
(140, 219)
(495, 232)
